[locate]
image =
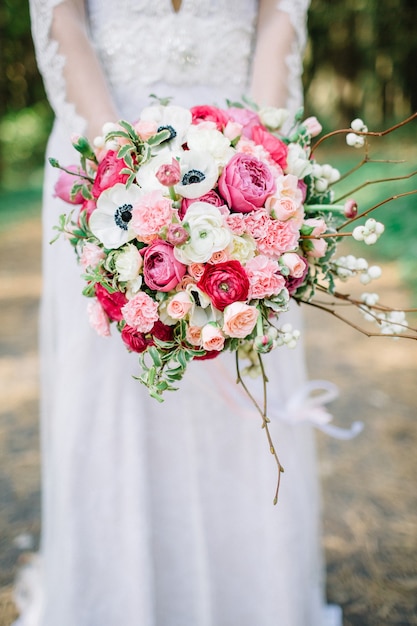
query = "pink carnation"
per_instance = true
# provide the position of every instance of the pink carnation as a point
(150, 214)
(280, 237)
(257, 223)
(263, 277)
(236, 222)
(141, 312)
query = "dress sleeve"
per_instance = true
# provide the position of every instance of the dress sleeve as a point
(278, 60)
(74, 81)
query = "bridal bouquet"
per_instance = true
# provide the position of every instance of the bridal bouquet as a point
(196, 226)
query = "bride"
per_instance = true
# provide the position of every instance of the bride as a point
(162, 515)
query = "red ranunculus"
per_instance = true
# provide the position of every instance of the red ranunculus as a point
(161, 270)
(211, 197)
(134, 340)
(206, 113)
(109, 173)
(111, 302)
(210, 354)
(162, 332)
(225, 283)
(246, 183)
(276, 148)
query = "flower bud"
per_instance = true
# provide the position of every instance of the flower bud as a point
(351, 208)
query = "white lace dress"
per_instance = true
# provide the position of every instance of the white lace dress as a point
(162, 515)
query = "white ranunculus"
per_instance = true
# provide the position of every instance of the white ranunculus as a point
(212, 141)
(199, 173)
(298, 161)
(272, 117)
(133, 287)
(174, 118)
(242, 248)
(128, 263)
(207, 234)
(110, 222)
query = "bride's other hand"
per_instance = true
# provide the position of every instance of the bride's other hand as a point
(86, 87)
(275, 40)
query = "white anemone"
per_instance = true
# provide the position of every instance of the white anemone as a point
(110, 222)
(199, 173)
(173, 118)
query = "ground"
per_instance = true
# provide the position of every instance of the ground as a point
(369, 494)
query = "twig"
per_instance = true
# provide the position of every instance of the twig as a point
(376, 206)
(374, 182)
(262, 413)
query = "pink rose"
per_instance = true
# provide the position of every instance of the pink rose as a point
(315, 247)
(295, 263)
(161, 270)
(232, 130)
(179, 305)
(318, 225)
(65, 183)
(239, 319)
(276, 148)
(91, 256)
(313, 126)
(212, 338)
(134, 340)
(264, 277)
(297, 274)
(206, 113)
(247, 118)
(246, 183)
(193, 335)
(282, 208)
(109, 173)
(151, 213)
(211, 197)
(224, 283)
(112, 303)
(98, 318)
(141, 312)
(146, 129)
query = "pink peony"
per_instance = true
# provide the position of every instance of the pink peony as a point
(246, 183)
(212, 338)
(112, 303)
(274, 146)
(109, 173)
(65, 183)
(141, 312)
(264, 277)
(98, 318)
(161, 270)
(239, 319)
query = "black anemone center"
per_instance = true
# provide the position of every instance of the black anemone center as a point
(172, 131)
(123, 215)
(193, 176)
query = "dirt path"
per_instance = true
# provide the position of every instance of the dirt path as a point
(370, 498)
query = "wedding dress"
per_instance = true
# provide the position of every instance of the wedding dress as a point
(162, 515)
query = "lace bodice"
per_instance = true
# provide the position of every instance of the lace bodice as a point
(202, 53)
